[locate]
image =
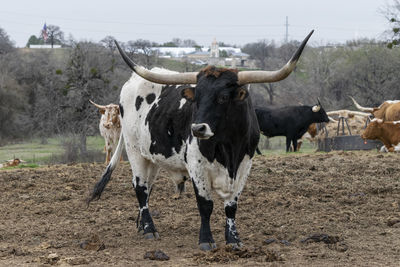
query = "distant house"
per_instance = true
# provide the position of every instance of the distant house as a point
(173, 52)
(233, 56)
(43, 46)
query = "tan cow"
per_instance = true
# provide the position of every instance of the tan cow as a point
(110, 127)
(386, 131)
(387, 111)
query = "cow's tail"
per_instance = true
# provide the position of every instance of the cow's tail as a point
(101, 184)
(360, 107)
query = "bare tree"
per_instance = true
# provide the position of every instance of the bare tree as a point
(6, 45)
(56, 36)
(392, 14)
(141, 50)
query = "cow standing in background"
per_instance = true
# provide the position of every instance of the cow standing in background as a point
(388, 132)
(387, 111)
(291, 121)
(110, 127)
(207, 132)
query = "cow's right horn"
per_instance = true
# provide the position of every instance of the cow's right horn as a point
(263, 76)
(316, 108)
(97, 105)
(179, 78)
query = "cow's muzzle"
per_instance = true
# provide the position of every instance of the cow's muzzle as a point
(202, 130)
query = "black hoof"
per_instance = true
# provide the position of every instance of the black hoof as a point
(207, 246)
(151, 236)
(235, 246)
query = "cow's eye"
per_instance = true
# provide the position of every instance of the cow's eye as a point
(223, 99)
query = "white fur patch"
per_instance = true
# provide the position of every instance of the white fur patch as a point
(377, 120)
(396, 148)
(215, 176)
(383, 149)
(182, 102)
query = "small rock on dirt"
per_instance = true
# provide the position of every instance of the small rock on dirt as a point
(77, 261)
(392, 222)
(327, 239)
(157, 255)
(93, 244)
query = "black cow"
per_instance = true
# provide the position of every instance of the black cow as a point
(208, 133)
(291, 121)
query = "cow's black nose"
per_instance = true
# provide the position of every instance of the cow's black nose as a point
(199, 129)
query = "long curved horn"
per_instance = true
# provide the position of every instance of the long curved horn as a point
(180, 78)
(273, 76)
(345, 113)
(97, 105)
(360, 107)
(331, 119)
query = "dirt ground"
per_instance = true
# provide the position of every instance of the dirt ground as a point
(322, 209)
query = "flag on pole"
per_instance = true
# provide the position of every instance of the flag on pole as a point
(44, 32)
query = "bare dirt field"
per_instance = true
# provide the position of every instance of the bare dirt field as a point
(334, 209)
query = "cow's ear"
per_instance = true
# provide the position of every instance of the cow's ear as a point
(188, 93)
(102, 110)
(241, 94)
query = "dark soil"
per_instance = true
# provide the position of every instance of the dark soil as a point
(340, 208)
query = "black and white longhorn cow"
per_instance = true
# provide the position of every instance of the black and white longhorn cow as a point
(208, 132)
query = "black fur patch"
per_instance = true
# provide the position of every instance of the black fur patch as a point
(144, 222)
(138, 102)
(205, 208)
(121, 110)
(169, 126)
(150, 98)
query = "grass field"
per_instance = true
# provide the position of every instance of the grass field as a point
(35, 152)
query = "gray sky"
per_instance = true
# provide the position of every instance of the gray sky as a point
(233, 21)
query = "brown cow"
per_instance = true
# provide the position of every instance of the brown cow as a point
(388, 132)
(387, 111)
(110, 127)
(12, 163)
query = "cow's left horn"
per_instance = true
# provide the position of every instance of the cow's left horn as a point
(273, 76)
(97, 105)
(180, 78)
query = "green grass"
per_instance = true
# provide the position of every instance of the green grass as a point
(22, 166)
(34, 151)
(277, 146)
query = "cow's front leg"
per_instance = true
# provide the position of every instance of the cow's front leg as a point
(205, 206)
(145, 222)
(288, 142)
(231, 234)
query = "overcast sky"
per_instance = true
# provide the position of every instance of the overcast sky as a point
(233, 21)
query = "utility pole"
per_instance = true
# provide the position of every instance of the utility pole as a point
(287, 30)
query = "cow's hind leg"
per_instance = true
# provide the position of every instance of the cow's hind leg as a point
(231, 234)
(205, 206)
(144, 176)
